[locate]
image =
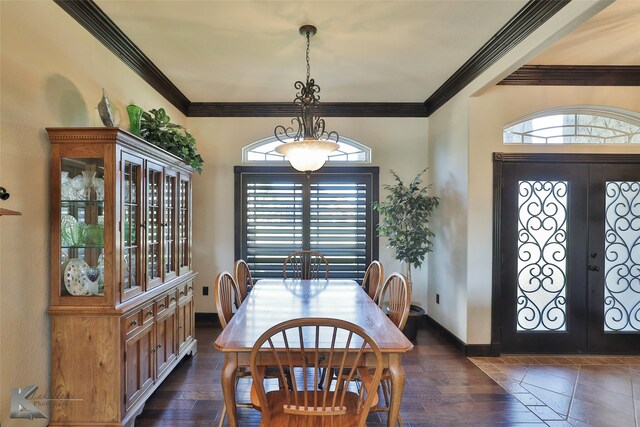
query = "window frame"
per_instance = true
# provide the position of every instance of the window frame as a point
(332, 173)
(626, 116)
(271, 139)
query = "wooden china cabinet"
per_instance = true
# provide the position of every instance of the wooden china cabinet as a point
(121, 277)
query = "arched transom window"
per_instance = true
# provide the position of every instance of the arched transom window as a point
(575, 125)
(265, 151)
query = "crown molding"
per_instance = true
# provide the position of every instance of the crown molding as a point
(526, 21)
(575, 75)
(288, 109)
(90, 16)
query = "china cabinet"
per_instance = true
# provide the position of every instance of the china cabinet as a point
(121, 276)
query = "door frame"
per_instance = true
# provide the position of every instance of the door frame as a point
(499, 159)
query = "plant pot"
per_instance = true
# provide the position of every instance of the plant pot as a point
(414, 321)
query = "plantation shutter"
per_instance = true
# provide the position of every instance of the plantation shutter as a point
(338, 226)
(273, 212)
(330, 212)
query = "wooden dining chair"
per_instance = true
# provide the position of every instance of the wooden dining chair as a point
(305, 265)
(300, 347)
(395, 299)
(373, 278)
(242, 276)
(226, 295)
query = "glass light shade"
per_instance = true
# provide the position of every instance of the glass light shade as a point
(307, 155)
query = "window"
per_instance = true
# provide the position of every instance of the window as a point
(575, 125)
(265, 151)
(279, 212)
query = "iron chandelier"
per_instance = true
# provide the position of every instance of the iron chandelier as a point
(308, 146)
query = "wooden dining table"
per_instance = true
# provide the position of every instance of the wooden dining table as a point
(272, 301)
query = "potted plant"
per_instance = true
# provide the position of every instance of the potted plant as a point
(156, 127)
(404, 221)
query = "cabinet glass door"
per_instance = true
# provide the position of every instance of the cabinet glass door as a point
(130, 225)
(153, 225)
(170, 200)
(184, 226)
(82, 227)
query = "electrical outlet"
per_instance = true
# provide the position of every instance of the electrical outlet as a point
(437, 298)
(205, 290)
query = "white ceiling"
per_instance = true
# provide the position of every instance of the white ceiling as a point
(612, 37)
(365, 51)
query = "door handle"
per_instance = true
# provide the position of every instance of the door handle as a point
(593, 268)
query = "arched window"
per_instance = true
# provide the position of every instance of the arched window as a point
(575, 125)
(265, 151)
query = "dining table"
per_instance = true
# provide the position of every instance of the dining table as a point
(272, 301)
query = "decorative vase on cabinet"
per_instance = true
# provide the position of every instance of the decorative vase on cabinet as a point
(121, 276)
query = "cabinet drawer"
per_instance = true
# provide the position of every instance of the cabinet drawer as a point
(183, 291)
(147, 313)
(162, 304)
(133, 322)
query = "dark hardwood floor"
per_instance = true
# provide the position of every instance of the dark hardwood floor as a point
(443, 389)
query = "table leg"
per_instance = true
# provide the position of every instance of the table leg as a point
(229, 386)
(397, 387)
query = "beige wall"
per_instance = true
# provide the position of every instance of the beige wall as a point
(398, 144)
(487, 116)
(49, 78)
(448, 160)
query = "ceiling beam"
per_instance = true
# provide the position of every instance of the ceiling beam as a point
(325, 109)
(90, 16)
(575, 75)
(526, 21)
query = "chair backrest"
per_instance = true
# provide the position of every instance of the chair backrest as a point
(396, 295)
(226, 293)
(305, 265)
(297, 349)
(242, 276)
(373, 278)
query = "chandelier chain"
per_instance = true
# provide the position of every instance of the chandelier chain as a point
(308, 66)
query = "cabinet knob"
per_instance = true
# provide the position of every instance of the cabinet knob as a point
(173, 298)
(162, 305)
(149, 313)
(179, 326)
(190, 288)
(153, 350)
(181, 292)
(134, 322)
(159, 346)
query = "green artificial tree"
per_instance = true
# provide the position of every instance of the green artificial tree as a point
(405, 220)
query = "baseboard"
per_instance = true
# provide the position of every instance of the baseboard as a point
(207, 319)
(469, 350)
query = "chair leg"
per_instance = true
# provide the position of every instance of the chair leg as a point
(223, 414)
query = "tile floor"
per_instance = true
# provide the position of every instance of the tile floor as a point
(443, 389)
(571, 390)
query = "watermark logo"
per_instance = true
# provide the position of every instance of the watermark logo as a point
(26, 404)
(23, 408)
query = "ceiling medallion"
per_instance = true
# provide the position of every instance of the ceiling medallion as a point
(308, 146)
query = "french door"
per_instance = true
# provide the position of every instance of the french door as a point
(568, 259)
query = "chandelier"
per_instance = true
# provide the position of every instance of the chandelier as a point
(308, 146)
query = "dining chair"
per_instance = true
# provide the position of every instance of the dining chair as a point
(305, 265)
(373, 279)
(226, 294)
(395, 299)
(242, 276)
(301, 347)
